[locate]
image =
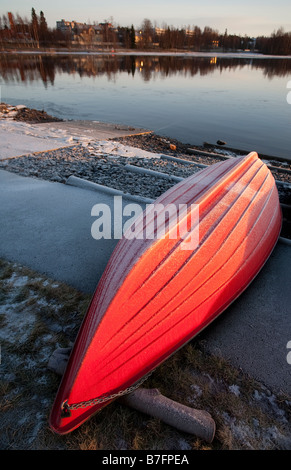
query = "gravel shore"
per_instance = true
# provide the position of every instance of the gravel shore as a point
(86, 161)
(110, 171)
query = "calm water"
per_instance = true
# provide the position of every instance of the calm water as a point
(241, 101)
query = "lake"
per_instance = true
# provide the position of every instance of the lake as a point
(239, 99)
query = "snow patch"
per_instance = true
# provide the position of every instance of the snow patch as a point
(18, 281)
(116, 149)
(17, 325)
(197, 390)
(21, 138)
(234, 389)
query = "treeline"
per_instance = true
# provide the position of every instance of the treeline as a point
(197, 39)
(34, 32)
(278, 43)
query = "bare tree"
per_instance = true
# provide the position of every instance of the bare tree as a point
(147, 33)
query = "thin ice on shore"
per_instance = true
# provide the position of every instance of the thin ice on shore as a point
(22, 138)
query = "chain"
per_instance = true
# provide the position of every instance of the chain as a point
(95, 401)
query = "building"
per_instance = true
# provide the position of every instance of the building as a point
(64, 26)
(83, 33)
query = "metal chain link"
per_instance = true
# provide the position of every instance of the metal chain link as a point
(96, 401)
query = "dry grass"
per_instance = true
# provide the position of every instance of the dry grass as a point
(37, 315)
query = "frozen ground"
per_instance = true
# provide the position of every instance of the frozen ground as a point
(39, 314)
(18, 138)
(22, 138)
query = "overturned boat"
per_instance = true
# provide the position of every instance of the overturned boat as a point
(170, 275)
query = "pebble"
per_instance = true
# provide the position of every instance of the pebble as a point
(108, 170)
(58, 165)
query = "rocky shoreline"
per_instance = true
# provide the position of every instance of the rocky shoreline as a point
(24, 114)
(87, 161)
(58, 165)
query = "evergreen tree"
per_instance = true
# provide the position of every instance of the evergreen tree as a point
(132, 37)
(43, 29)
(34, 26)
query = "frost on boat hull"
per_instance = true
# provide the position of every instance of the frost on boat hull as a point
(155, 295)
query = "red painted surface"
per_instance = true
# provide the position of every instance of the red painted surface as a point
(154, 297)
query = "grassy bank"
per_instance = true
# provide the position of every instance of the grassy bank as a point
(39, 314)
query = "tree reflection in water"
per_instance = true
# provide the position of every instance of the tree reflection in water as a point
(32, 67)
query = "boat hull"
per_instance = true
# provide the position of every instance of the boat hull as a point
(157, 293)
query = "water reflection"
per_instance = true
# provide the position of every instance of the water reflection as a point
(29, 68)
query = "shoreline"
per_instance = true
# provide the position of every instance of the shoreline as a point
(121, 52)
(57, 150)
(22, 113)
(70, 147)
(48, 137)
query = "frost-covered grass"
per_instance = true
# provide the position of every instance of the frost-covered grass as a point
(38, 315)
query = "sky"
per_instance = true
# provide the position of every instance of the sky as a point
(251, 17)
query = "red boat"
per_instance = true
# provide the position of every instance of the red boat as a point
(155, 294)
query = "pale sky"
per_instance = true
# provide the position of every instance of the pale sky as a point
(251, 17)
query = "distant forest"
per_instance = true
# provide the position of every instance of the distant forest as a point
(33, 32)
